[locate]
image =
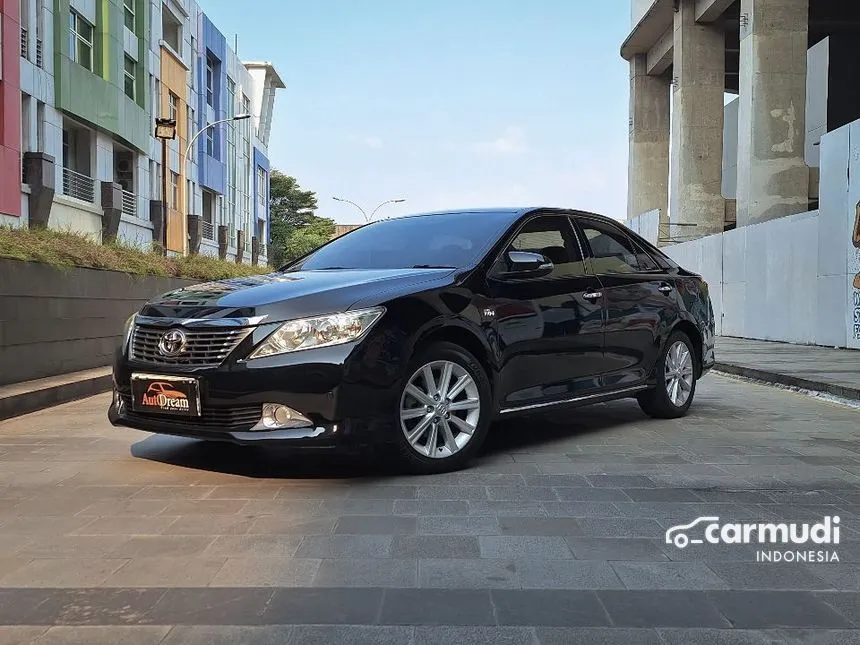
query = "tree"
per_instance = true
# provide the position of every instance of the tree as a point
(295, 227)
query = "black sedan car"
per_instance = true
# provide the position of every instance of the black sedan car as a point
(419, 332)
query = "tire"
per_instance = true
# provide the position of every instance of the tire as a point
(422, 418)
(658, 402)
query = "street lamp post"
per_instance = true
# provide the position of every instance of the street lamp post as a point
(165, 129)
(238, 117)
(366, 218)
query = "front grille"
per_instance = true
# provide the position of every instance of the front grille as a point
(240, 417)
(204, 347)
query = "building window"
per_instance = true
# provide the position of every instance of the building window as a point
(174, 191)
(40, 126)
(262, 185)
(190, 132)
(193, 63)
(171, 29)
(210, 81)
(210, 142)
(40, 32)
(246, 124)
(130, 70)
(230, 104)
(128, 14)
(173, 107)
(80, 40)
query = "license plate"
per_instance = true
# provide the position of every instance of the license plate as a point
(175, 395)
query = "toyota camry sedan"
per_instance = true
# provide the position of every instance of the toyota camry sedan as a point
(419, 332)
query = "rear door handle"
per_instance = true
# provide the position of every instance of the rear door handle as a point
(592, 295)
(664, 288)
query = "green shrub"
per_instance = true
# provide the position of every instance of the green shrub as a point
(66, 249)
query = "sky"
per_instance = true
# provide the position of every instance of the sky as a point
(444, 103)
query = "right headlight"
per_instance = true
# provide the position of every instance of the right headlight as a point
(319, 331)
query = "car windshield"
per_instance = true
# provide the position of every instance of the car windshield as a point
(429, 241)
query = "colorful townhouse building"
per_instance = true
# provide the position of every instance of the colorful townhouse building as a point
(87, 81)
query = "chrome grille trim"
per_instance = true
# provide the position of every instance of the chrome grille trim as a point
(204, 348)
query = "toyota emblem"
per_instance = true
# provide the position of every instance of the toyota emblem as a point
(172, 343)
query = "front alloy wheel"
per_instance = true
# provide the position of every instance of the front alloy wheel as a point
(443, 413)
(440, 409)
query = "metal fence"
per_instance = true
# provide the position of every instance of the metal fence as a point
(79, 186)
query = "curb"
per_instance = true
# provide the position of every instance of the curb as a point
(790, 381)
(24, 398)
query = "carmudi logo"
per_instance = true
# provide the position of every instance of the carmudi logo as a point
(709, 530)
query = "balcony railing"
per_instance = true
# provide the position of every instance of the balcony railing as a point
(25, 43)
(40, 54)
(129, 203)
(79, 186)
(208, 231)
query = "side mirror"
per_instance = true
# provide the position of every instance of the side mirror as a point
(520, 265)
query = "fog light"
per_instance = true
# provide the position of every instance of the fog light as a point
(119, 404)
(277, 416)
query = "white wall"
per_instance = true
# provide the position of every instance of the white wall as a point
(647, 225)
(790, 279)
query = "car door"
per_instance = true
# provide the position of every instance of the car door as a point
(549, 329)
(638, 301)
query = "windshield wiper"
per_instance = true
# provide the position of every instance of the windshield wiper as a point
(432, 266)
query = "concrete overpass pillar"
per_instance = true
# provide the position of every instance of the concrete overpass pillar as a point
(773, 179)
(697, 126)
(648, 172)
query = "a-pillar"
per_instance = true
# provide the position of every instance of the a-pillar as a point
(696, 200)
(773, 179)
(648, 172)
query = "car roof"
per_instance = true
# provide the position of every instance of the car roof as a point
(511, 213)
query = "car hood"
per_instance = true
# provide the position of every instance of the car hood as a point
(284, 296)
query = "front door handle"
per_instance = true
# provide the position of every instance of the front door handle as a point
(592, 295)
(664, 288)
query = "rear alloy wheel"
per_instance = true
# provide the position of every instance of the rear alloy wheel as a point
(675, 373)
(444, 410)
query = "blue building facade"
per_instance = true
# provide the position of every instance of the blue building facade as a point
(211, 65)
(262, 183)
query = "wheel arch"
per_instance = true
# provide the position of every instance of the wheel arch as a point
(463, 337)
(692, 332)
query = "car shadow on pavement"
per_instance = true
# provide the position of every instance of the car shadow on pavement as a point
(531, 433)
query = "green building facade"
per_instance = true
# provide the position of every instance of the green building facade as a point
(97, 66)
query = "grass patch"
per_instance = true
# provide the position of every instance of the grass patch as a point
(66, 249)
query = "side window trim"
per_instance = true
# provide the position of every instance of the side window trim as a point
(513, 236)
(582, 242)
(584, 219)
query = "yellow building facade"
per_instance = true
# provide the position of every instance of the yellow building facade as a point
(174, 105)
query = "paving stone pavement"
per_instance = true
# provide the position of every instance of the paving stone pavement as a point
(555, 535)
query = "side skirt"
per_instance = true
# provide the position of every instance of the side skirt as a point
(598, 397)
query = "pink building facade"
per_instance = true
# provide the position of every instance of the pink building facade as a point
(10, 109)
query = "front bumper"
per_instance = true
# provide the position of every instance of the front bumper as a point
(323, 436)
(345, 391)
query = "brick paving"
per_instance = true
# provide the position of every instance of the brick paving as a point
(555, 535)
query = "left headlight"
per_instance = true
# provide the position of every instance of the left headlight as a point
(320, 331)
(126, 332)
